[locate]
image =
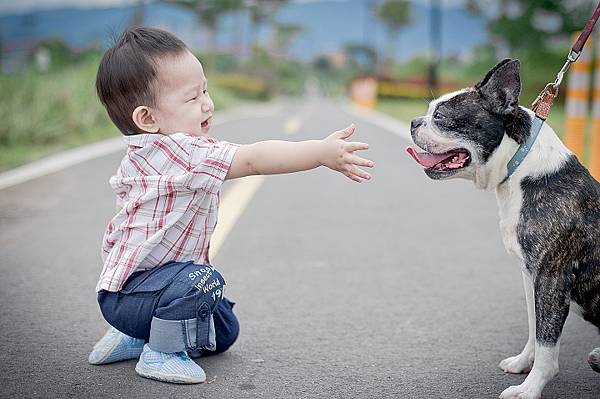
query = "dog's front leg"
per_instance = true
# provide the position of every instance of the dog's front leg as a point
(522, 362)
(552, 296)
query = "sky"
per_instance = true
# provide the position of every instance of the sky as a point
(328, 26)
(12, 6)
(325, 30)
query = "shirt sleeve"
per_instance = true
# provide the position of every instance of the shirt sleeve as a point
(209, 163)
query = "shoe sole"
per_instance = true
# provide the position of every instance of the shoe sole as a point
(172, 378)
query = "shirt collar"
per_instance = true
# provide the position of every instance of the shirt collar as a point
(141, 140)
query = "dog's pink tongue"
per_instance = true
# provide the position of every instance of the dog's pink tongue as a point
(426, 159)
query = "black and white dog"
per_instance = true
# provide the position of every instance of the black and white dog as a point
(549, 209)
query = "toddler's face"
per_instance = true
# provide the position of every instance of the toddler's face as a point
(183, 103)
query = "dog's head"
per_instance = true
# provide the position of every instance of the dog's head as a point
(462, 130)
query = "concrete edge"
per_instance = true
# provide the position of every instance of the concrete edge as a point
(65, 159)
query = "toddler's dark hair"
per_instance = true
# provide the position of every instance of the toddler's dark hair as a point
(126, 76)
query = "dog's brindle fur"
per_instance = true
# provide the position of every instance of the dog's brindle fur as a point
(559, 232)
(550, 210)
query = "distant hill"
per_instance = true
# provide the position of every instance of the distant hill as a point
(328, 25)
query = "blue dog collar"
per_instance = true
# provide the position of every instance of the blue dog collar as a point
(524, 148)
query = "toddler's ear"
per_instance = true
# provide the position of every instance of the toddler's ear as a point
(143, 118)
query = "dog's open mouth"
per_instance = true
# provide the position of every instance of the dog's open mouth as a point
(448, 161)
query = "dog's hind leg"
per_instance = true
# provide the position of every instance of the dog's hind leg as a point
(522, 362)
(594, 360)
(552, 294)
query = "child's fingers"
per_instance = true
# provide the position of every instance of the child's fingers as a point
(353, 177)
(357, 172)
(356, 160)
(356, 146)
(347, 132)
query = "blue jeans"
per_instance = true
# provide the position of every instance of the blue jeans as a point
(174, 307)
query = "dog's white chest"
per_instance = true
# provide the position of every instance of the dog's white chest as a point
(510, 201)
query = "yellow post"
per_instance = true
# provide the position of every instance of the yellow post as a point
(363, 92)
(595, 150)
(577, 100)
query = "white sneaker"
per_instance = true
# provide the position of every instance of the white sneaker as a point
(115, 346)
(176, 367)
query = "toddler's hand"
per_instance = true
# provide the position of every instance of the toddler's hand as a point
(338, 154)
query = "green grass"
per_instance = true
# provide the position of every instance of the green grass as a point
(17, 154)
(43, 113)
(404, 109)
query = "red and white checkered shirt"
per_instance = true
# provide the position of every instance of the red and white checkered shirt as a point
(168, 193)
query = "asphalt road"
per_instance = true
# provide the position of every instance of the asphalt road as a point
(396, 288)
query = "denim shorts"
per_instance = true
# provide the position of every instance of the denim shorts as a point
(174, 307)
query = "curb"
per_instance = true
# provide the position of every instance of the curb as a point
(64, 159)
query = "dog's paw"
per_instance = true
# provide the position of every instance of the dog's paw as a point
(520, 392)
(520, 364)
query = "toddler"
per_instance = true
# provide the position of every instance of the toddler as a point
(157, 289)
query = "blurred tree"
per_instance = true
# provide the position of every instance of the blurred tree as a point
(137, 18)
(360, 57)
(208, 13)
(261, 11)
(51, 54)
(395, 14)
(526, 26)
(284, 35)
(322, 63)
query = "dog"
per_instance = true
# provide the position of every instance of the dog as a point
(549, 209)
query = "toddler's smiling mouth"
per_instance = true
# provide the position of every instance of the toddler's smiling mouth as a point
(206, 123)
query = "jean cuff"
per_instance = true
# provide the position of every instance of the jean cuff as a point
(182, 335)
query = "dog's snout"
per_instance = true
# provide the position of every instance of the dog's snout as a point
(415, 123)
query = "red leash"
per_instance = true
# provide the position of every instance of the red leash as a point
(578, 46)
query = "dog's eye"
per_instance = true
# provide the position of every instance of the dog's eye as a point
(438, 115)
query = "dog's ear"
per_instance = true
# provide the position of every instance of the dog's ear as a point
(501, 87)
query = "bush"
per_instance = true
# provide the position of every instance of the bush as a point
(243, 85)
(42, 112)
(42, 108)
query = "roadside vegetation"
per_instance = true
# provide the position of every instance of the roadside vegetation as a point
(49, 106)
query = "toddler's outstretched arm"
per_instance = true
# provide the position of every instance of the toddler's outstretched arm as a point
(274, 157)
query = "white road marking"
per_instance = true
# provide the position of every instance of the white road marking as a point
(59, 161)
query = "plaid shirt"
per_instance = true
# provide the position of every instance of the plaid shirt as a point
(167, 194)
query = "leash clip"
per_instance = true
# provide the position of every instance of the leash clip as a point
(573, 56)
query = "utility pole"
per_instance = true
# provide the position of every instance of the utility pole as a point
(367, 23)
(370, 39)
(435, 38)
(137, 18)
